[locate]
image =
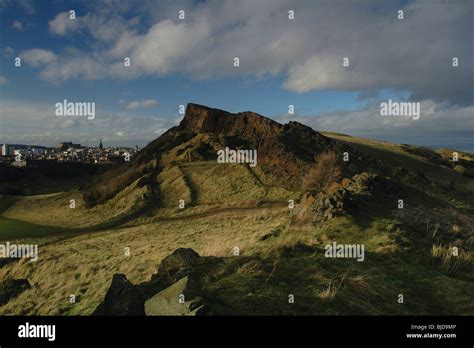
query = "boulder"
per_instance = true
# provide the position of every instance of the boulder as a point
(122, 298)
(175, 266)
(11, 288)
(181, 298)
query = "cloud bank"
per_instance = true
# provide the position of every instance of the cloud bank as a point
(413, 54)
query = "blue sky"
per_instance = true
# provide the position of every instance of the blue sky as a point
(282, 62)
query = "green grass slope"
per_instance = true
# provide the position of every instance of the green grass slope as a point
(227, 206)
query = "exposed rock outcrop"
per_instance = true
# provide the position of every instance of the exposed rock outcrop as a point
(322, 206)
(122, 298)
(176, 288)
(202, 119)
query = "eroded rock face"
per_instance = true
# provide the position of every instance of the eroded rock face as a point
(201, 119)
(11, 288)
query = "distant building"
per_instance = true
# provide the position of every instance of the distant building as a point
(37, 151)
(100, 145)
(67, 145)
(8, 150)
(80, 154)
(19, 154)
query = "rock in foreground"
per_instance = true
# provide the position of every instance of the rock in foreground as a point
(174, 290)
(174, 300)
(122, 298)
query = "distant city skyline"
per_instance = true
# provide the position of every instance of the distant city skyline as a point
(282, 61)
(63, 142)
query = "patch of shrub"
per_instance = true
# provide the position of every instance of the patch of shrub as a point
(324, 173)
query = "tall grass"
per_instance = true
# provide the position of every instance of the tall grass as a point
(449, 262)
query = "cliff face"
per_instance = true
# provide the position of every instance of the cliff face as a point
(201, 119)
(255, 128)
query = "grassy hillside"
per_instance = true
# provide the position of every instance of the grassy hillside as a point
(84, 264)
(228, 206)
(438, 170)
(260, 279)
(55, 209)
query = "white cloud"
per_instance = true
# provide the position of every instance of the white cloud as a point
(38, 57)
(62, 24)
(141, 104)
(119, 134)
(68, 67)
(17, 25)
(103, 28)
(412, 54)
